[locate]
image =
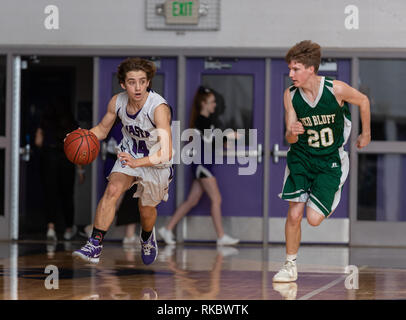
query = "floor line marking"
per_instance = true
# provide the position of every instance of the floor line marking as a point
(317, 291)
(327, 286)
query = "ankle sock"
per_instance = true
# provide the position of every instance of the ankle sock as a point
(291, 257)
(145, 235)
(98, 234)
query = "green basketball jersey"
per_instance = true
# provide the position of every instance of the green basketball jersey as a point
(327, 125)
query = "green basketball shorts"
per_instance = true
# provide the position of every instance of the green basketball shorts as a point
(315, 180)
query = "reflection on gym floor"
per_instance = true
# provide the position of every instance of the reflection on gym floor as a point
(201, 271)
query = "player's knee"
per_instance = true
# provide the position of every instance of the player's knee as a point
(216, 200)
(113, 191)
(147, 212)
(192, 202)
(295, 213)
(295, 217)
(315, 219)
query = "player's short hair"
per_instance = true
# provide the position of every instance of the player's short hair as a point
(136, 64)
(305, 52)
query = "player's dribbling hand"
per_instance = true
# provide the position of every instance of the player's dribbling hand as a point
(297, 128)
(127, 160)
(70, 133)
(363, 140)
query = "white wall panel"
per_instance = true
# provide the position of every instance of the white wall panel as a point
(254, 23)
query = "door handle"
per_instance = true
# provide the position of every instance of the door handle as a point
(103, 150)
(276, 153)
(259, 155)
(107, 148)
(25, 152)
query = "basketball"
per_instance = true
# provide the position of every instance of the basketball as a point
(81, 146)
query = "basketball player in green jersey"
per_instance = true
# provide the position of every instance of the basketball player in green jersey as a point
(318, 124)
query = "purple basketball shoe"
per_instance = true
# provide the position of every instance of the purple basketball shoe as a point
(149, 248)
(90, 252)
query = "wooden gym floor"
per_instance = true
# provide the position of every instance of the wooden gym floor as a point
(198, 271)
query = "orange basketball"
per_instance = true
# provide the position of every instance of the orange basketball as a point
(81, 146)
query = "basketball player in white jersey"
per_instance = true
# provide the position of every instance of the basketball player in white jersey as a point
(144, 156)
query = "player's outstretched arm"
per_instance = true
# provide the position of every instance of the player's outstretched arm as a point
(162, 118)
(102, 129)
(293, 126)
(344, 92)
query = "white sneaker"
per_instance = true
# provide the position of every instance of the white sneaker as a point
(51, 234)
(129, 240)
(149, 294)
(51, 248)
(167, 252)
(288, 273)
(227, 251)
(86, 232)
(287, 290)
(167, 235)
(226, 240)
(68, 235)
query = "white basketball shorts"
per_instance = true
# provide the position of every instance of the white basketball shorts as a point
(152, 183)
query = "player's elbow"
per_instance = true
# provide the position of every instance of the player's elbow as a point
(364, 101)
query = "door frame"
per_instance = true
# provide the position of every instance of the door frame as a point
(5, 143)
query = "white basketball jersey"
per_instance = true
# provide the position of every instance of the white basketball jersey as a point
(139, 137)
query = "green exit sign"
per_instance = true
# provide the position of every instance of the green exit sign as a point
(182, 12)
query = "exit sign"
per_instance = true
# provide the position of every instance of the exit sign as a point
(182, 15)
(182, 11)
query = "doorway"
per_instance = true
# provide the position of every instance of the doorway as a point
(48, 83)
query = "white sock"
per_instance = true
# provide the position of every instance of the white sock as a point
(291, 257)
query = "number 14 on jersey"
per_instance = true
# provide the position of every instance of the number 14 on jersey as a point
(140, 147)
